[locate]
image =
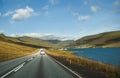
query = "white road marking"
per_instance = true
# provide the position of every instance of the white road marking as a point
(6, 74)
(19, 67)
(68, 69)
(15, 69)
(30, 59)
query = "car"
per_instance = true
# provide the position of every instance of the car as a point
(42, 53)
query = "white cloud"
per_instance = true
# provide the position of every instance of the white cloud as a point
(23, 13)
(84, 18)
(1, 31)
(20, 14)
(53, 2)
(44, 36)
(81, 17)
(94, 8)
(8, 13)
(116, 3)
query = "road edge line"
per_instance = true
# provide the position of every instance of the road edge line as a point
(70, 70)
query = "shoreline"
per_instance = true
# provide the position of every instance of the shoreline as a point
(97, 60)
(85, 67)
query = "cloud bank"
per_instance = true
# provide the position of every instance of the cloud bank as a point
(81, 17)
(1, 31)
(94, 8)
(84, 18)
(44, 36)
(21, 13)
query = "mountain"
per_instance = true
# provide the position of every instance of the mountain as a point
(25, 41)
(10, 49)
(53, 41)
(66, 42)
(8, 39)
(35, 42)
(106, 39)
(47, 43)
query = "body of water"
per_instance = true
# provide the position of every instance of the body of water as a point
(106, 55)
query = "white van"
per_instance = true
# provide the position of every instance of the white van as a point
(42, 52)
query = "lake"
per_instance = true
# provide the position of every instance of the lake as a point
(106, 55)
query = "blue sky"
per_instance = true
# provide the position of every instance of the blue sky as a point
(65, 19)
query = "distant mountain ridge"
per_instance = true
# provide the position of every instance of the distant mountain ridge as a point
(53, 41)
(35, 42)
(106, 39)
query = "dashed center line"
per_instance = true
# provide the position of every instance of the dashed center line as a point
(30, 59)
(19, 67)
(16, 68)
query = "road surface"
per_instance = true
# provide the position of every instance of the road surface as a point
(34, 66)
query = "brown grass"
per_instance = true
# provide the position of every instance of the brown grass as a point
(107, 70)
(10, 51)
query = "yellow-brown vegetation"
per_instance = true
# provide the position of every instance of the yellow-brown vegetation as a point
(108, 70)
(10, 51)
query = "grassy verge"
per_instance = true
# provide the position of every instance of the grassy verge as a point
(10, 51)
(78, 62)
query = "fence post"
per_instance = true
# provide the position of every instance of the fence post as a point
(70, 61)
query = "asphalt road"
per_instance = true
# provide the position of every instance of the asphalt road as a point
(34, 66)
(9, 65)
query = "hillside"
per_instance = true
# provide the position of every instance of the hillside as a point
(20, 42)
(8, 39)
(60, 44)
(35, 42)
(45, 43)
(9, 50)
(107, 39)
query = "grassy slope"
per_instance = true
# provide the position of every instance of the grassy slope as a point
(35, 41)
(8, 39)
(10, 51)
(108, 39)
(86, 67)
(16, 47)
(28, 41)
(46, 43)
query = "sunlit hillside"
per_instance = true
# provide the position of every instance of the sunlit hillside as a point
(107, 39)
(10, 50)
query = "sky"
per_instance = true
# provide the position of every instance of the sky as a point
(58, 19)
